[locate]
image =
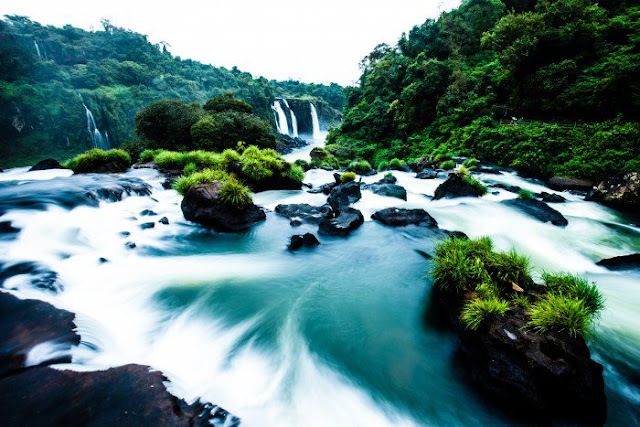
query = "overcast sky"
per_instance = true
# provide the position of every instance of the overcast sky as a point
(320, 41)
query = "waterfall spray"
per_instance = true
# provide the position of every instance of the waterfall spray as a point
(282, 124)
(314, 119)
(294, 120)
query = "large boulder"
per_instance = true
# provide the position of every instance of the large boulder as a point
(396, 217)
(561, 183)
(306, 240)
(304, 213)
(456, 185)
(285, 144)
(202, 205)
(427, 174)
(624, 262)
(551, 197)
(318, 153)
(348, 219)
(45, 165)
(424, 162)
(388, 190)
(343, 195)
(622, 191)
(538, 210)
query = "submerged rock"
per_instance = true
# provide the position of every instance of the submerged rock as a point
(285, 144)
(396, 217)
(306, 240)
(147, 225)
(202, 205)
(6, 227)
(304, 213)
(456, 185)
(427, 174)
(348, 220)
(148, 212)
(622, 191)
(164, 220)
(624, 262)
(538, 210)
(551, 197)
(45, 165)
(343, 195)
(561, 183)
(388, 190)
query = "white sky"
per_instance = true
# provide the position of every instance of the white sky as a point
(320, 41)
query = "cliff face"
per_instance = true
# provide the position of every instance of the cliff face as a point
(327, 115)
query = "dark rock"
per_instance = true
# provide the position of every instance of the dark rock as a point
(130, 245)
(424, 162)
(164, 220)
(26, 323)
(551, 197)
(427, 174)
(347, 221)
(343, 195)
(306, 240)
(285, 144)
(561, 183)
(102, 260)
(148, 212)
(167, 184)
(318, 153)
(510, 188)
(624, 262)
(304, 213)
(6, 227)
(125, 233)
(202, 205)
(324, 188)
(45, 165)
(538, 210)
(388, 179)
(455, 234)
(147, 225)
(388, 190)
(456, 185)
(40, 277)
(397, 217)
(622, 191)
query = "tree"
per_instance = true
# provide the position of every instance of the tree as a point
(167, 124)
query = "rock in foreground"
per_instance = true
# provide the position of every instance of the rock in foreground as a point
(343, 195)
(396, 217)
(561, 183)
(349, 219)
(622, 191)
(202, 205)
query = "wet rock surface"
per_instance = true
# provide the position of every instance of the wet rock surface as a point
(561, 183)
(201, 204)
(396, 217)
(427, 174)
(348, 220)
(551, 197)
(456, 186)
(624, 262)
(539, 210)
(622, 192)
(343, 195)
(46, 165)
(388, 190)
(306, 240)
(304, 213)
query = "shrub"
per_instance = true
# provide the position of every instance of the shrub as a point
(396, 163)
(206, 176)
(347, 177)
(226, 102)
(230, 156)
(470, 163)
(190, 168)
(295, 173)
(167, 124)
(223, 130)
(92, 160)
(148, 155)
(459, 263)
(383, 165)
(560, 313)
(477, 310)
(576, 287)
(525, 194)
(448, 165)
(361, 166)
(234, 193)
(133, 148)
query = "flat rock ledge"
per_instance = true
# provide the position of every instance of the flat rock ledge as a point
(33, 394)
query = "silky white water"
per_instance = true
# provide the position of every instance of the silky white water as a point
(330, 336)
(281, 122)
(314, 120)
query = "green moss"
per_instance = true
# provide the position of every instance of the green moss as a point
(347, 177)
(234, 193)
(361, 166)
(478, 310)
(448, 165)
(118, 161)
(525, 194)
(295, 173)
(561, 313)
(149, 155)
(206, 176)
(470, 163)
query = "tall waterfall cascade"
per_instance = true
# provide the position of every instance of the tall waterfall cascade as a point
(37, 49)
(314, 119)
(294, 120)
(98, 140)
(281, 118)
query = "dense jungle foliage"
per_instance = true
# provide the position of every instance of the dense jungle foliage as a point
(549, 87)
(47, 73)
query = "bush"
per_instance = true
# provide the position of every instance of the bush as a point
(361, 166)
(206, 176)
(167, 124)
(448, 165)
(133, 148)
(295, 173)
(396, 163)
(230, 156)
(224, 130)
(470, 163)
(347, 177)
(575, 287)
(525, 194)
(227, 102)
(149, 155)
(477, 310)
(234, 193)
(92, 160)
(561, 313)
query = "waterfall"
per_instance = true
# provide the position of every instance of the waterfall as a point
(314, 119)
(294, 121)
(99, 141)
(283, 126)
(37, 48)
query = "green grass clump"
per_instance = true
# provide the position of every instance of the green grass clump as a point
(396, 163)
(383, 165)
(477, 310)
(508, 268)
(230, 156)
(561, 313)
(295, 173)
(482, 189)
(234, 193)
(575, 287)
(460, 263)
(149, 155)
(206, 176)
(190, 168)
(525, 194)
(388, 175)
(178, 160)
(347, 177)
(448, 165)
(440, 155)
(92, 160)
(521, 300)
(470, 163)
(361, 166)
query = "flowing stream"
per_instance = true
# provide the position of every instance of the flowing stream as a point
(336, 335)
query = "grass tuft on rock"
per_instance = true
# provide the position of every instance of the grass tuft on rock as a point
(235, 193)
(576, 287)
(205, 176)
(361, 166)
(92, 160)
(525, 194)
(347, 177)
(477, 310)
(560, 313)
(448, 165)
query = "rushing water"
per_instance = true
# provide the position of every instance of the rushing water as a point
(314, 120)
(335, 335)
(281, 118)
